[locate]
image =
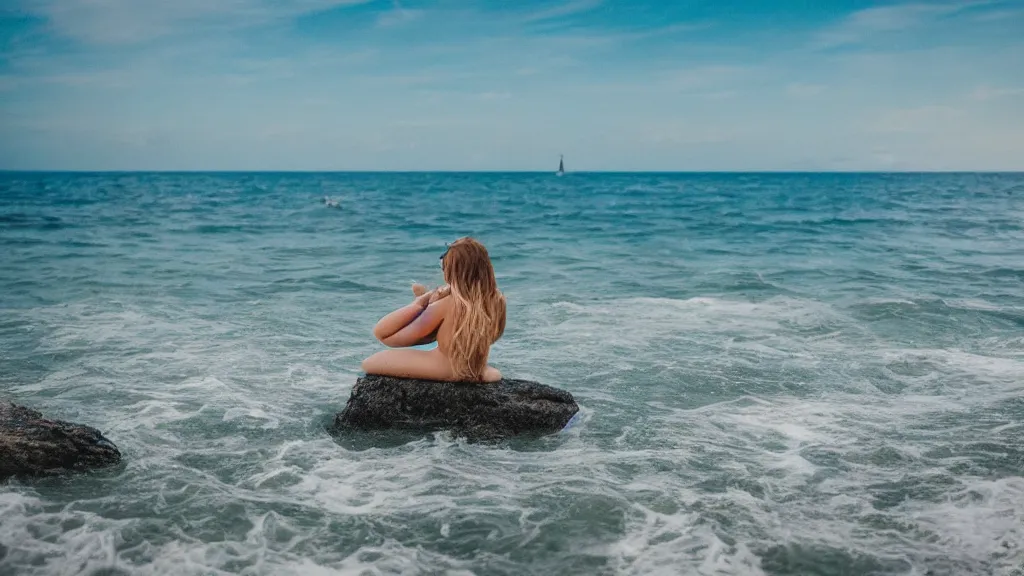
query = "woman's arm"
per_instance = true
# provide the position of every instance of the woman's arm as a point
(410, 324)
(400, 318)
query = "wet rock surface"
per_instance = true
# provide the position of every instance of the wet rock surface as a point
(31, 445)
(496, 410)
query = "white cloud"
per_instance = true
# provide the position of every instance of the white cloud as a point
(9, 82)
(705, 77)
(494, 95)
(801, 90)
(863, 24)
(884, 159)
(919, 119)
(612, 38)
(561, 11)
(986, 93)
(686, 134)
(398, 16)
(1000, 15)
(720, 95)
(133, 21)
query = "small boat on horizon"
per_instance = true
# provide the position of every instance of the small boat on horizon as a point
(561, 166)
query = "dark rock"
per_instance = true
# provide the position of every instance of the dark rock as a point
(31, 445)
(480, 411)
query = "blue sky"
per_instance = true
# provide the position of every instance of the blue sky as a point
(462, 85)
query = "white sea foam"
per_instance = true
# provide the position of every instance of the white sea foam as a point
(430, 478)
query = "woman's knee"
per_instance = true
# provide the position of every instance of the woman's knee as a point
(371, 363)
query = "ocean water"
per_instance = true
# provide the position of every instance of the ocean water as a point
(778, 374)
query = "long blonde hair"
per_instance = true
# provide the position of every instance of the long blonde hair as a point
(478, 308)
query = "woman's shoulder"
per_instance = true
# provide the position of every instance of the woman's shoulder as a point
(443, 305)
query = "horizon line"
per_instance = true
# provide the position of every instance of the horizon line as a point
(524, 172)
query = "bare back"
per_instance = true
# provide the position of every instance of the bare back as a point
(446, 333)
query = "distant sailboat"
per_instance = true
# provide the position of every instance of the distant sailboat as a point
(561, 166)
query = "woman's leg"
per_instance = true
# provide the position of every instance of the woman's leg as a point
(422, 364)
(406, 363)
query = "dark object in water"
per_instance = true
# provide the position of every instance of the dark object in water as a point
(479, 411)
(31, 445)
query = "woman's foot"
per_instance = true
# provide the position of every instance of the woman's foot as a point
(491, 374)
(436, 294)
(439, 293)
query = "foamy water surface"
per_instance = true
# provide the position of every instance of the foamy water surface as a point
(778, 374)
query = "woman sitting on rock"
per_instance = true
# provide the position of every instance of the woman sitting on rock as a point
(465, 318)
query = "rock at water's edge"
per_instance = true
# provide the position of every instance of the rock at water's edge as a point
(31, 445)
(501, 409)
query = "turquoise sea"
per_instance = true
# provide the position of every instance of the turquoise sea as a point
(800, 374)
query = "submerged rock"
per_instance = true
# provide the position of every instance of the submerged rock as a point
(483, 411)
(31, 445)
